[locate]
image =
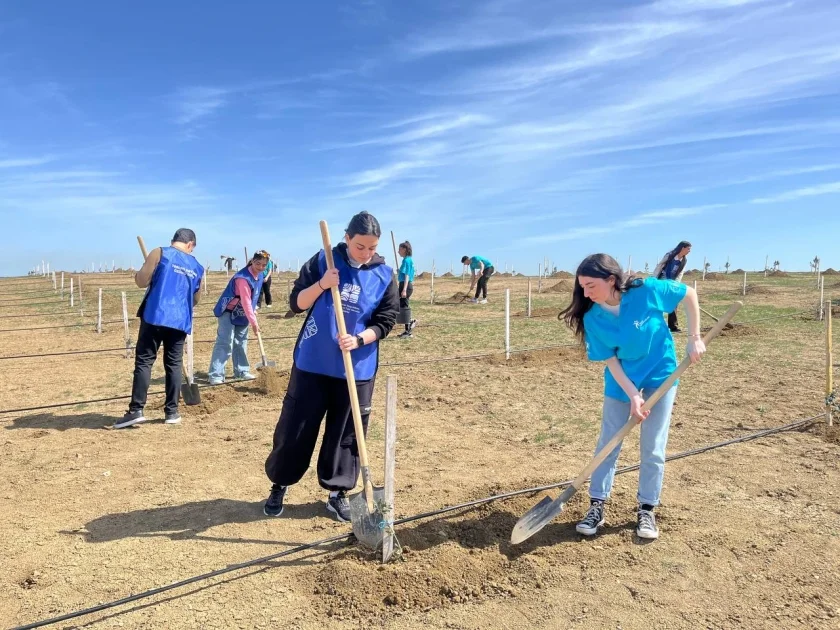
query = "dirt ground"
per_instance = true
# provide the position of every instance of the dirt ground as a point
(750, 533)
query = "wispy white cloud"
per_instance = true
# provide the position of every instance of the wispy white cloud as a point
(442, 126)
(192, 103)
(830, 188)
(788, 172)
(23, 162)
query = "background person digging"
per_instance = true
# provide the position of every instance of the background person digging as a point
(405, 276)
(173, 279)
(672, 267)
(236, 311)
(482, 269)
(317, 385)
(267, 275)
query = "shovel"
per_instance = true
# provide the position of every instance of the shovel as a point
(366, 512)
(544, 512)
(265, 363)
(189, 388)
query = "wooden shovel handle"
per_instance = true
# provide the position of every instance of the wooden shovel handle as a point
(262, 349)
(142, 247)
(601, 455)
(348, 365)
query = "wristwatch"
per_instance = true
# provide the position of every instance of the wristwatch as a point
(360, 340)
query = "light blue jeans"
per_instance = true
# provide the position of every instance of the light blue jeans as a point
(229, 338)
(654, 438)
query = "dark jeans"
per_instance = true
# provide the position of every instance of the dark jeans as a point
(672, 321)
(265, 291)
(404, 300)
(308, 398)
(481, 287)
(149, 340)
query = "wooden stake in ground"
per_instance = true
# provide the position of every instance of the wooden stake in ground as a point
(71, 292)
(539, 280)
(206, 279)
(62, 285)
(81, 301)
(390, 465)
(125, 325)
(432, 287)
(529, 297)
(745, 283)
(246, 256)
(396, 257)
(704, 267)
(829, 376)
(99, 315)
(55, 286)
(507, 324)
(821, 285)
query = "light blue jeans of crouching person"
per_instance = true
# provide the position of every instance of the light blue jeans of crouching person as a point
(229, 339)
(654, 438)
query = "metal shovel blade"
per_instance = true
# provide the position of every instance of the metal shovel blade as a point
(191, 394)
(369, 527)
(540, 515)
(265, 363)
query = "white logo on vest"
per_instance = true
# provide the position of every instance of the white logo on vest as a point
(310, 330)
(350, 293)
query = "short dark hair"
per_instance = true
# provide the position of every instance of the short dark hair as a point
(407, 247)
(465, 259)
(364, 224)
(184, 235)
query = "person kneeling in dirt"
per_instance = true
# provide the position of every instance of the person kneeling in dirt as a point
(405, 276)
(619, 320)
(482, 269)
(236, 311)
(173, 279)
(317, 384)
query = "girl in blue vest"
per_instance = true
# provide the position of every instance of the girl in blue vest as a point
(236, 311)
(405, 277)
(672, 267)
(619, 320)
(172, 278)
(317, 385)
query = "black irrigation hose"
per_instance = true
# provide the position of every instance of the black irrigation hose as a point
(61, 354)
(14, 304)
(402, 521)
(111, 321)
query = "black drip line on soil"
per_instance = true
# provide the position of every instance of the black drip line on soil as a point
(797, 424)
(468, 357)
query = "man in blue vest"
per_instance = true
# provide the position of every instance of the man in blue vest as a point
(172, 278)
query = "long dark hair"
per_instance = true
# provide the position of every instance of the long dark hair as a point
(601, 266)
(364, 224)
(678, 248)
(407, 247)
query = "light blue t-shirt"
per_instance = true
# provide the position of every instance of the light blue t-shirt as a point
(476, 261)
(638, 336)
(268, 268)
(406, 270)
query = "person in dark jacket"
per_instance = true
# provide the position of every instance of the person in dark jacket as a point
(672, 267)
(172, 278)
(317, 385)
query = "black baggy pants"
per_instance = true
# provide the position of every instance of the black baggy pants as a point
(409, 289)
(265, 291)
(308, 398)
(149, 340)
(483, 279)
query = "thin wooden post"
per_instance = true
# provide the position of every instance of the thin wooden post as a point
(390, 465)
(71, 292)
(432, 289)
(821, 284)
(766, 262)
(125, 325)
(43, 268)
(704, 267)
(629, 264)
(206, 280)
(99, 315)
(695, 286)
(539, 279)
(396, 257)
(829, 377)
(55, 286)
(745, 283)
(529, 297)
(190, 367)
(507, 324)
(81, 299)
(62, 285)
(246, 257)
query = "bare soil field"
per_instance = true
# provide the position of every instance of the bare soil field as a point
(750, 532)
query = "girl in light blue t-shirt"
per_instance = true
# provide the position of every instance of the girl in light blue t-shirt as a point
(619, 319)
(405, 277)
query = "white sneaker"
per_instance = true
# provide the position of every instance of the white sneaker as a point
(247, 377)
(473, 301)
(484, 301)
(646, 525)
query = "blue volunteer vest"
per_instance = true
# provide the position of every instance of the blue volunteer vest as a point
(169, 298)
(237, 315)
(361, 292)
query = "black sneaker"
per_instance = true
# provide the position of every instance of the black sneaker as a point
(404, 335)
(412, 325)
(646, 525)
(274, 504)
(675, 329)
(340, 506)
(130, 419)
(594, 519)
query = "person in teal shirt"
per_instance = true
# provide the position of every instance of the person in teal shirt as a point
(405, 276)
(266, 287)
(619, 319)
(481, 269)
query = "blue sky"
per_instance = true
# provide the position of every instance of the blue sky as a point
(512, 129)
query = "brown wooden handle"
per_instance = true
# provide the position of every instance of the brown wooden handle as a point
(262, 349)
(142, 247)
(396, 257)
(348, 370)
(601, 455)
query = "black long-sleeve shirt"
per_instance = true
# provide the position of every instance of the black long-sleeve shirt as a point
(382, 319)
